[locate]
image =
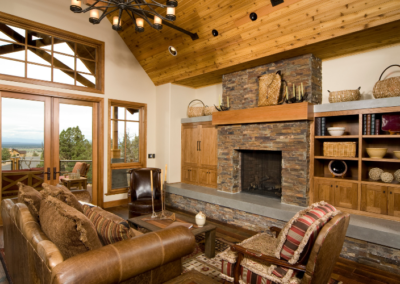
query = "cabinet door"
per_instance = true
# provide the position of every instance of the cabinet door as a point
(190, 145)
(208, 146)
(185, 174)
(374, 198)
(213, 178)
(394, 201)
(194, 175)
(346, 194)
(324, 191)
(203, 176)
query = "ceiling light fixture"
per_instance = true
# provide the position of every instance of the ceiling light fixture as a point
(253, 16)
(173, 51)
(214, 32)
(138, 10)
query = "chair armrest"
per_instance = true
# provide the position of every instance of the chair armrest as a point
(276, 230)
(118, 262)
(257, 255)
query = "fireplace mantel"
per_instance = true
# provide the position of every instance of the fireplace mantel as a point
(280, 113)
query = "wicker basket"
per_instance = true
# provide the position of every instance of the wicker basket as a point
(195, 111)
(387, 88)
(340, 149)
(209, 110)
(344, 96)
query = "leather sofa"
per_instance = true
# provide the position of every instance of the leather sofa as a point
(32, 258)
(140, 191)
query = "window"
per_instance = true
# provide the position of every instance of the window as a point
(127, 142)
(34, 53)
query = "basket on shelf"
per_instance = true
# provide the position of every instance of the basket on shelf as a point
(344, 96)
(209, 110)
(195, 111)
(340, 149)
(387, 88)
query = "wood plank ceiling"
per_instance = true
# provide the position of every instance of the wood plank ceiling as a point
(325, 28)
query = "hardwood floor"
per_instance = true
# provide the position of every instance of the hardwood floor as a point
(349, 272)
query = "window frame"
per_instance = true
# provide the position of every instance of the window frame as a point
(142, 142)
(61, 34)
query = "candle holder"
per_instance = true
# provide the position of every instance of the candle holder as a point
(222, 107)
(163, 216)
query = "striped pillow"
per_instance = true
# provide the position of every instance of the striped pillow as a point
(305, 230)
(109, 230)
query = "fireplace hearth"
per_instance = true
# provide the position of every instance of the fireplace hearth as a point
(261, 172)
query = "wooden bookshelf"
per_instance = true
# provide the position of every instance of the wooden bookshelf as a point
(356, 192)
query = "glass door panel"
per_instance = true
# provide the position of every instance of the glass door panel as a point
(25, 149)
(75, 133)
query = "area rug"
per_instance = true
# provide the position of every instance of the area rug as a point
(197, 260)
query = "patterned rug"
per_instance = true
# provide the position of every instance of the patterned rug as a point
(197, 260)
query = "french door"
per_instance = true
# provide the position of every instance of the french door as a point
(44, 137)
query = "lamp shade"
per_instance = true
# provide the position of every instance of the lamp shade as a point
(115, 25)
(94, 16)
(139, 24)
(76, 6)
(157, 23)
(171, 13)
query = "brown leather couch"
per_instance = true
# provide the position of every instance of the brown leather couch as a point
(32, 258)
(140, 191)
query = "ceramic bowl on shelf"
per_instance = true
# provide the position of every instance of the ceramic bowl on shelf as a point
(397, 154)
(336, 131)
(377, 153)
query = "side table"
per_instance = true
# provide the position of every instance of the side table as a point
(80, 183)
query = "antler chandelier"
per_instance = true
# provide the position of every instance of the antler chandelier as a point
(138, 10)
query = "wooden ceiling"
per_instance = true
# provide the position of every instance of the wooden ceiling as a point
(327, 28)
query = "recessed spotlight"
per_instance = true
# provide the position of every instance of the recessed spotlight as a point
(253, 16)
(214, 32)
(173, 51)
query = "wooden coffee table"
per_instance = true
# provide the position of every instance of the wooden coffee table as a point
(156, 224)
(192, 277)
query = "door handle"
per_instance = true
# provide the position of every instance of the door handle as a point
(55, 172)
(48, 173)
(199, 145)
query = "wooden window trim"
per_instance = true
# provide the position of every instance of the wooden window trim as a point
(58, 33)
(142, 142)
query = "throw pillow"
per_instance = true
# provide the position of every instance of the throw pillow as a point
(31, 198)
(110, 227)
(71, 231)
(62, 193)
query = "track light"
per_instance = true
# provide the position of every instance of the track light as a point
(214, 32)
(253, 16)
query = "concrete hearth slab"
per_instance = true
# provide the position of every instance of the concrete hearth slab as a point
(196, 119)
(374, 230)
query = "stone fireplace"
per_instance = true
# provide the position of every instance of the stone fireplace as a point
(291, 139)
(261, 172)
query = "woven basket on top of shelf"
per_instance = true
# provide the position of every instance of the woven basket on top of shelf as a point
(340, 149)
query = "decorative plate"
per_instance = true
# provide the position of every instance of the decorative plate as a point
(337, 168)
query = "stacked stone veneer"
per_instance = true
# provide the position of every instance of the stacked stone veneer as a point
(242, 86)
(292, 138)
(378, 256)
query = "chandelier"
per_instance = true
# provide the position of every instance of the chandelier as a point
(139, 11)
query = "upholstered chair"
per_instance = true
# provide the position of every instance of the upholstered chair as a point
(139, 195)
(304, 252)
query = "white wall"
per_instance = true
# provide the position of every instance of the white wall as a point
(209, 95)
(172, 102)
(125, 79)
(364, 69)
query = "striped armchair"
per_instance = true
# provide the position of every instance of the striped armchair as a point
(304, 252)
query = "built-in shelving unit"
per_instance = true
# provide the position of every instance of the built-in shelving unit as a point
(355, 192)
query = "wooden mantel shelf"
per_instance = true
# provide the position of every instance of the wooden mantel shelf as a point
(286, 112)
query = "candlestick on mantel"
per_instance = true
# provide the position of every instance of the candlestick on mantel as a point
(294, 90)
(219, 100)
(287, 94)
(154, 215)
(227, 100)
(162, 196)
(302, 90)
(299, 92)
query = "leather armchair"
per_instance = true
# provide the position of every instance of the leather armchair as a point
(139, 195)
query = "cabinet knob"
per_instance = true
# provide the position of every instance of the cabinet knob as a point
(336, 186)
(331, 185)
(390, 192)
(384, 191)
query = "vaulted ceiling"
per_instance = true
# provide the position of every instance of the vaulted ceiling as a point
(327, 28)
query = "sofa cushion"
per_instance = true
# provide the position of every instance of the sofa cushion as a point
(31, 198)
(71, 231)
(110, 227)
(62, 193)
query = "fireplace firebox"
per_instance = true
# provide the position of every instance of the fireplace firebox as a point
(261, 172)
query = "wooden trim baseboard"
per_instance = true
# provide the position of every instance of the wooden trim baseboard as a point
(115, 203)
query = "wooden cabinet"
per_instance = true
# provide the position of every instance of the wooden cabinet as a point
(374, 198)
(338, 193)
(394, 201)
(199, 154)
(346, 194)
